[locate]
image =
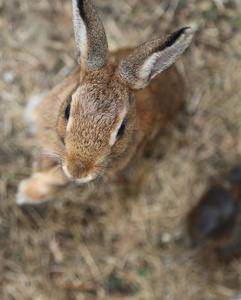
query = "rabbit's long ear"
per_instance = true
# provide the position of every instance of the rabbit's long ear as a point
(151, 58)
(89, 36)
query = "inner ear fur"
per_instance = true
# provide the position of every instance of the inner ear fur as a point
(151, 58)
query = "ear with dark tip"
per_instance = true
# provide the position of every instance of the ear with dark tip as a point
(89, 36)
(151, 58)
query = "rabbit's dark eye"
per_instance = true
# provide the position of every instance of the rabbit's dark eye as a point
(121, 129)
(67, 110)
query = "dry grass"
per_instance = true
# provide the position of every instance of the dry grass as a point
(126, 241)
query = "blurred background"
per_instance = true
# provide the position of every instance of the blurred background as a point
(125, 240)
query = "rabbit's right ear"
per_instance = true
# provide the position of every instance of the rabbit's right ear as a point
(151, 58)
(89, 36)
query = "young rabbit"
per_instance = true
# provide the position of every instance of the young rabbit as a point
(94, 122)
(214, 224)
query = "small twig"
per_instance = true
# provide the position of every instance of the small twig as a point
(78, 287)
(219, 4)
(194, 102)
(90, 262)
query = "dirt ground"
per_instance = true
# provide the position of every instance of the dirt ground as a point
(126, 240)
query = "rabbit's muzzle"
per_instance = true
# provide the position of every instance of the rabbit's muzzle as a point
(81, 170)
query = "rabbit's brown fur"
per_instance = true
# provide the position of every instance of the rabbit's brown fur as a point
(108, 120)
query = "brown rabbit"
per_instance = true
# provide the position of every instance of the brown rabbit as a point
(94, 122)
(214, 224)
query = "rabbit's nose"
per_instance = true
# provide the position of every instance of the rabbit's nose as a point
(77, 171)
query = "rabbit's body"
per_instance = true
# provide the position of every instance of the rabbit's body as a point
(95, 121)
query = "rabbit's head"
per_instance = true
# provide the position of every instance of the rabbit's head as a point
(97, 122)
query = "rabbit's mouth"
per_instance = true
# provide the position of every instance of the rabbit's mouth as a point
(84, 179)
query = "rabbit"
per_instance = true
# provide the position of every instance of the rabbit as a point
(92, 124)
(214, 224)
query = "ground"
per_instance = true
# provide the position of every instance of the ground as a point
(126, 240)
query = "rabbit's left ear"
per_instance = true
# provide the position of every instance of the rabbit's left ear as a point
(152, 57)
(89, 36)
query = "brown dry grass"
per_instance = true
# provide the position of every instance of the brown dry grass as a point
(125, 241)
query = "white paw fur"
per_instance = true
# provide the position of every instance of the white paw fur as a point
(22, 198)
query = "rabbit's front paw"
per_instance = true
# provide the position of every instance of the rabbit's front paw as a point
(32, 191)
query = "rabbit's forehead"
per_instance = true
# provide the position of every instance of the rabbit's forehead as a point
(95, 112)
(98, 100)
(98, 103)
(105, 94)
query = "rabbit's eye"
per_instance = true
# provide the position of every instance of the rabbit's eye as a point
(67, 110)
(121, 129)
